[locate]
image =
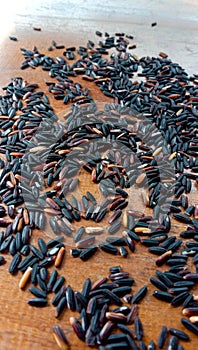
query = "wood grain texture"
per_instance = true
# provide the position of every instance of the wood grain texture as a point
(74, 22)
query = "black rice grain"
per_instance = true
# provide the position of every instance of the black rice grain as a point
(189, 325)
(139, 295)
(138, 328)
(38, 302)
(179, 334)
(162, 337)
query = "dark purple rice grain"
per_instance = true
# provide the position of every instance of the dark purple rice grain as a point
(77, 328)
(98, 284)
(174, 246)
(56, 299)
(173, 262)
(47, 261)
(106, 330)
(14, 265)
(138, 328)
(87, 253)
(5, 244)
(18, 241)
(36, 252)
(179, 334)
(162, 337)
(108, 248)
(125, 281)
(172, 343)
(163, 278)
(168, 242)
(70, 298)
(26, 234)
(34, 274)
(157, 250)
(25, 250)
(43, 274)
(128, 298)
(91, 306)
(84, 320)
(149, 242)
(37, 292)
(182, 218)
(81, 301)
(115, 269)
(130, 243)
(102, 320)
(191, 277)
(139, 295)
(62, 304)
(42, 246)
(114, 276)
(133, 235)
(41, 283)
(38, 302)
(123, 252)
(86, 288)
(157, 283)
(90, 336)
(174, 277)
(117, 241)
(12, 247)
(164, 296)
(179, 299)
(116, 317)
(188, 300)
(132, 314)
(189, 325)
(113, 297)
(121, 291)
(178, 290)
(58, 284)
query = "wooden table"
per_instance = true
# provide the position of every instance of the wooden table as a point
(73, 23)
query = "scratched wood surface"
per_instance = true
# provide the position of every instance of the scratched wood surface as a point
(72, 23)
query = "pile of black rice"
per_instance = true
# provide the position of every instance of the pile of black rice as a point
(146, 138)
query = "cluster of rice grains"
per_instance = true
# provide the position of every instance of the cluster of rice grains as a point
(146, 139)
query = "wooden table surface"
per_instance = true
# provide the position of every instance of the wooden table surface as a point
(72, 23)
